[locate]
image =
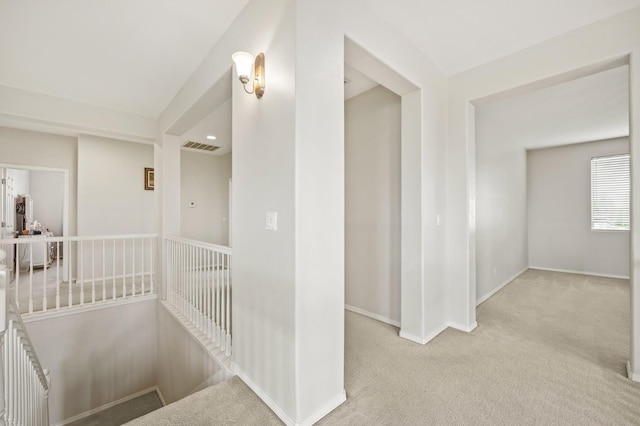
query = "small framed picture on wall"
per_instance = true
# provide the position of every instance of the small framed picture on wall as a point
(149, 181)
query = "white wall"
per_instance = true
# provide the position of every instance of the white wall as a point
(559, 212)
(184, 367)
(96, 357)
(372, 203)
(589, 108)
(47, 192)
(111, 194)
(22, 147)
(204, 180)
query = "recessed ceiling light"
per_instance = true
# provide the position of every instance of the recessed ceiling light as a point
(211, 137)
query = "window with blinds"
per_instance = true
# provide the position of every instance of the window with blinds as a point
(610, 192)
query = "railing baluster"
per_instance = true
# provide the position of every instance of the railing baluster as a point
(81, 273)
(57, 275)
(17, 249)
(30, 278)
(228, 282)
(70, 277)
(45, 256)
(104, 270)
(124, 263)
(152, 268)
(133, 267)
(93, 272)
(209, 270)
(142, 266)
(218, 323)
(113, 271)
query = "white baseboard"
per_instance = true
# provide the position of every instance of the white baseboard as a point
(109, 405)
(500, 287)
(373, 316)
(331, 405)
(594, 274)
(465, 328)
(436, 332)
(631, 375)
(164, 403)
(323, 411)
(413, 338)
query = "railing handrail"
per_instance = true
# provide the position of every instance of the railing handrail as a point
(62, 239)
(22, 329)
(201, 244)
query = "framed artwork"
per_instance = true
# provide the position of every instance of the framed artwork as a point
(149, 182)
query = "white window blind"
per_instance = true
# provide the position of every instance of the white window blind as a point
(610, 191)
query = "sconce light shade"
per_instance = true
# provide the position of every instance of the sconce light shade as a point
(244, 62)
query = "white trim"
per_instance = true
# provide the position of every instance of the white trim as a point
(87, 307)
(109, 405)
(631, 375)
(434, 334)
(428, 338)
(500, 287)
(373, 316)
(331, 405)
(164, 403)
(413, 338)
(466, 329)
(594, 274)
(262, 395)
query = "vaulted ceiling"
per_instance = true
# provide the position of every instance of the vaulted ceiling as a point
(134, 56)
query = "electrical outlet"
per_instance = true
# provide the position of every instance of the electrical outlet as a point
(271, 221)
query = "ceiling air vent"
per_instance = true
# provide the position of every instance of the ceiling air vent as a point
(200, 146)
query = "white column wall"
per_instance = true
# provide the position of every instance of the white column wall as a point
(289, 158)
(563, 56)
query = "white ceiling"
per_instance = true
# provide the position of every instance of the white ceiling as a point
(134, 56)
(462, 34)
(126, 55)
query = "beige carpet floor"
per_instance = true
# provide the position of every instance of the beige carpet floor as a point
(550, 349)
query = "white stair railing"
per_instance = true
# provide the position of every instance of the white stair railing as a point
(54, 273)
(199, 286)
(24, 384)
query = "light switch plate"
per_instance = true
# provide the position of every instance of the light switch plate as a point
(271, 221)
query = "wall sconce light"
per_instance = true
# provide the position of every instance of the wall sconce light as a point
(244, 61)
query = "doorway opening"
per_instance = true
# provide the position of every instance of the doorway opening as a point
(382, 130)
(34, 204)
